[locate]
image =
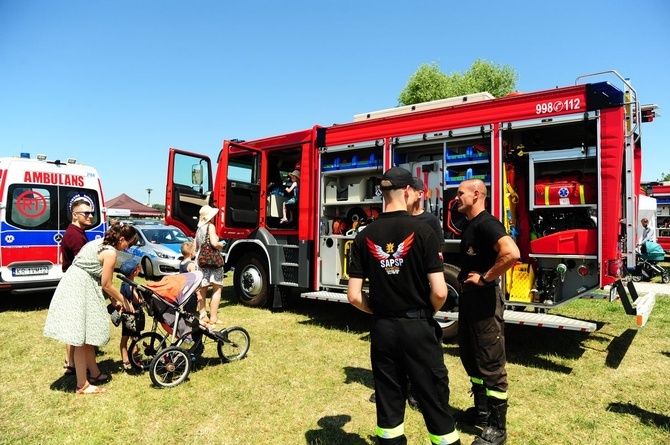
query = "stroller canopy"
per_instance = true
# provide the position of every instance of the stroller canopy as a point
(177, 288)
(652, 251)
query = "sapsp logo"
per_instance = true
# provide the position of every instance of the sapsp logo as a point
(391, 260)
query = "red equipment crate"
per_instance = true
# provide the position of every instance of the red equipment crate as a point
(567, 242)
(566, 189)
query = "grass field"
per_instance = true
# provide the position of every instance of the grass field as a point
(307, 380)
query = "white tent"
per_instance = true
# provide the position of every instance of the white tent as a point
(647, 210)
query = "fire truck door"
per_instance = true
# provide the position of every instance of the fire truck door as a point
(189, 187)
(240, 171)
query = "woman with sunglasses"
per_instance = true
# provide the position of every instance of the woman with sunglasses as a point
(73, 240)
(78, 313)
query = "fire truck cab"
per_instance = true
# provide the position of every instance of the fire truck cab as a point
(562, 167)
(35, 200)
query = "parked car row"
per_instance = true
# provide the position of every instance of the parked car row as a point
(158, 248)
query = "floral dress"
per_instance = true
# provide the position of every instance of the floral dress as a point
(78, 313)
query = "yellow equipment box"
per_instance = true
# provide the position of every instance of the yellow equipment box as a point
(523, 279)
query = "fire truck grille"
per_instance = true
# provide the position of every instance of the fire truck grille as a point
(290, 274)
(291, 255)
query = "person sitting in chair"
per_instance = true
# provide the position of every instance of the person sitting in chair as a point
(293, 188)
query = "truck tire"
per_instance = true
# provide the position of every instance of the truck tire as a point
(453, 293)
(251, 281)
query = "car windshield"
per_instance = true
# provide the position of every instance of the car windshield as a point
(165, 236)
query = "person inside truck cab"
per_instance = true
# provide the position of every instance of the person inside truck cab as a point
(292, 202)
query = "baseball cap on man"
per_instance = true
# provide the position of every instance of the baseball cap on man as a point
(396, 178)
(129, 265)
(417, 184)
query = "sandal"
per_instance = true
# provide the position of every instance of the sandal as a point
(89, 389)
(127, 366)
(69, 370)
(100, 378)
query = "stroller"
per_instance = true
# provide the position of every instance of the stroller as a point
(648, 255)
(177, 339)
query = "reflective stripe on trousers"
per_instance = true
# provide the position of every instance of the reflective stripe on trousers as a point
(445, 439)
(391, 433)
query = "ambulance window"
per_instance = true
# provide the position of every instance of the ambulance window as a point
(69, 195)
(32, 207)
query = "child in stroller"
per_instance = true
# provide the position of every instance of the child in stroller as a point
(172, 304)
(648, 256)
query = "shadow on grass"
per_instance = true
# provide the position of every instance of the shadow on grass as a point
(531, 346)
(68, 383)
(618, 347)
(25, 302)
(331, 432)
(646, 417)
(359, 375)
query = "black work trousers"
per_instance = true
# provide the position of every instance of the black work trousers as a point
(481, 335)
(403, 348)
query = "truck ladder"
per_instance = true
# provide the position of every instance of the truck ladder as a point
(632, 133)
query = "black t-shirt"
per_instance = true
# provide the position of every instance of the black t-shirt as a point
(396, 252)
(434, 223)
(477, 241)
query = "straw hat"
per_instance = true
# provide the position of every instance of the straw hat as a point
(207, 213)
(295, 173)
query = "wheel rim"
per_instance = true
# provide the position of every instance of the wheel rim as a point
(170, 367)
(236, 345)
(251, 281)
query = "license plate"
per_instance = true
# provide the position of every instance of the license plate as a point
(25, 271)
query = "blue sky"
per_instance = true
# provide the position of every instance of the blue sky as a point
(116, 83)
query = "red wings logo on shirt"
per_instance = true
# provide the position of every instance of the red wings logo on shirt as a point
(391, 260)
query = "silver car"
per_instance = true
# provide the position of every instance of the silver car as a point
(158, 249)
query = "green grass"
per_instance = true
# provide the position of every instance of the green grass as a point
(307, 380)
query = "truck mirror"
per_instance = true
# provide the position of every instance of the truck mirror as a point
(196, 174)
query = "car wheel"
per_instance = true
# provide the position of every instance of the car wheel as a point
(147, 269)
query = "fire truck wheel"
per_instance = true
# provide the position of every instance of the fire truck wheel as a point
(451, 305)
(251, 280)
(147, 269)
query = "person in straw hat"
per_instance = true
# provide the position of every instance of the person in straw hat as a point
(293, 201)
(211, 276)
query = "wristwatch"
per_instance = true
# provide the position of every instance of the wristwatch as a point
(482, 280)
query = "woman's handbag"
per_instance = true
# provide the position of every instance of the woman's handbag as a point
(209, 256)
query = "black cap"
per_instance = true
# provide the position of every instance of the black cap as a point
(397, 177)
(417, 184)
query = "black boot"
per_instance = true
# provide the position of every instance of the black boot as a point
(478, 414)
(496, 431)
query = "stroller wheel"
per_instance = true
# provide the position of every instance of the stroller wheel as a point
(636, 278)
(143, 349)
(170, 367)
(233, 343)
(665, 278)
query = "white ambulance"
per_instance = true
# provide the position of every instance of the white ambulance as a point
(35, 200)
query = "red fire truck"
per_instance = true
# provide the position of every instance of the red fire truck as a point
(562, 165)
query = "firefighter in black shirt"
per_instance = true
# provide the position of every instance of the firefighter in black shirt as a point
(487, 252)
(399, 256)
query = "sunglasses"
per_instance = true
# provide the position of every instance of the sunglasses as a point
(86, 214)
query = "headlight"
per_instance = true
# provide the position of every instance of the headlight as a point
(165, 255)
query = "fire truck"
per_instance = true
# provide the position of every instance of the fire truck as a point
(36, 195)
(562, 167)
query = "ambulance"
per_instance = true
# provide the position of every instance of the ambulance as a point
(36, 196)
